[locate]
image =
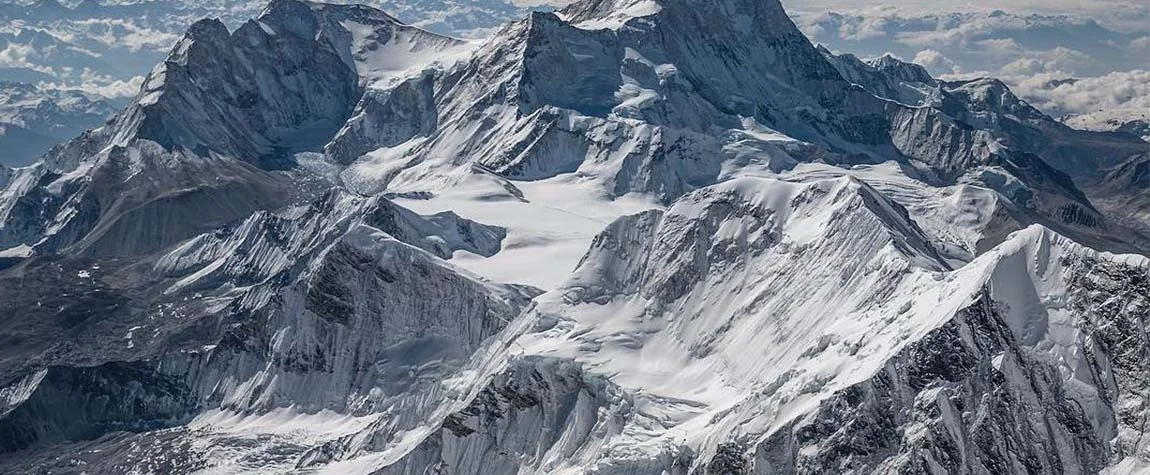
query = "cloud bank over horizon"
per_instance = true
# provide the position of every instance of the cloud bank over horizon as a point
(1066, 65)
(1066, 57)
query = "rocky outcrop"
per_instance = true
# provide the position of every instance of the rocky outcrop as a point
(386, 118)
(845, 266)
(58, 404)
(965, 399)
(317, 310)
(536, 413)
(1017, 368)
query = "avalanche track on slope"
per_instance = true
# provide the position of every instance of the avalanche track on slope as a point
(771, 327)
(752, 256)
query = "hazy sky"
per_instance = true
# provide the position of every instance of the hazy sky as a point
(110, 55)
(1126, 15)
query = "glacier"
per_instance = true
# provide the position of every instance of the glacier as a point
(626, 237)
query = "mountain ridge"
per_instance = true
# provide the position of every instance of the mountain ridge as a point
(279, 257)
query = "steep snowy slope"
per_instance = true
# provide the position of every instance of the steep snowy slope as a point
(668, 96)
(988, 104)
(211, 136)
(686, 344)
(643, 362)
(754, 257)
(1087, 158)
(261, 311)
(339, 306)
(561, 96)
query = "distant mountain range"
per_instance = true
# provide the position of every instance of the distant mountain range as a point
(32, 120)
(105, 48)
(627, 237)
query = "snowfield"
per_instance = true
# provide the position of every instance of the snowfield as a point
(656, 237)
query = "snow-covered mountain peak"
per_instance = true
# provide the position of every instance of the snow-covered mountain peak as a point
(792, 261)
(287, 9)
(667, 85)
(767, 17)
(378, 46)
(739, 333)
(233, 94)
(900, 69)
(697, 340)
(705, 295)
(282, 83)
(719, 229)
(609, 14)
(719, 41)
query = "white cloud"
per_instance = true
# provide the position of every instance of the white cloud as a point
(17, 55)
(998, 46)
(1119, 90)
(934, 60)
(1140, 47)
(121, 33)
(988, 40)
(1024, 66)
(1122, 15)
(115, 89)
(869, 28)
(103, 86)
(539, 3)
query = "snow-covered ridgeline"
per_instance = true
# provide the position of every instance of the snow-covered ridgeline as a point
(811, 231)
(757, 371)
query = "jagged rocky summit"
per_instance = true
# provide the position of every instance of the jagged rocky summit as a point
(627, 237)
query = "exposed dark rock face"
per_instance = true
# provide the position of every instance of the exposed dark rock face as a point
(964, 399)
(844, 266)
(1116, 335)
(537, 405)
(325, 276)
(273, 87)
(58, 404)
(387, 118)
